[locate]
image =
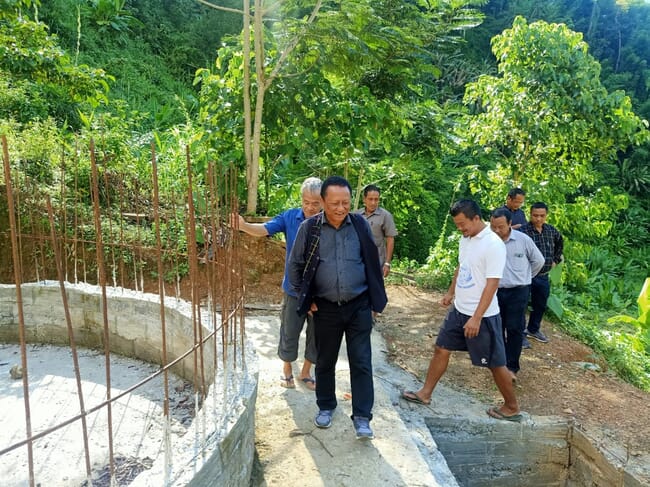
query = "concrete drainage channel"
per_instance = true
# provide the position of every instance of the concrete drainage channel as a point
(545, 451)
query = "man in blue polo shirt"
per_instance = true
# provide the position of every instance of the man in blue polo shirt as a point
(514, 202)
(291, 323)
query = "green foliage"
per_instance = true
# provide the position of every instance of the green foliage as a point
(40, 80)
(353, 98)
(634, 172)
(111, 14)
(641, 324)
(443, 260)
(153, 67)
(623, 350)
(406, 192)
(547, 119)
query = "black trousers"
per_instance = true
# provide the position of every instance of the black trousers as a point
(512, 305)
(354, 321)
(540, 290)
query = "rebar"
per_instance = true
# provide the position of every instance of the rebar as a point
(70, 244)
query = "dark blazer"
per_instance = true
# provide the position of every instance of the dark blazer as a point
(369, 254)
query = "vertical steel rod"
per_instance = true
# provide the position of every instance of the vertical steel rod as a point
(193, 258)
(19, 305)
(210, 263)
(161, 293)
(102, 282)
(73, 343)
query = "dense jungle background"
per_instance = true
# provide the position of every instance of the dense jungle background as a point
(430, 100)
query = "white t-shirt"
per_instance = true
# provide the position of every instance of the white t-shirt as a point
(479, 258)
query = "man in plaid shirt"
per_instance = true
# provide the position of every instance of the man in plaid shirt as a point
(549, 241)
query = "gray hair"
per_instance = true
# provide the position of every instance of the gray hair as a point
(311, 185)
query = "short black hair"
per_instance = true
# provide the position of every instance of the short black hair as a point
(369, 188)
(539, 205)
(512, 194)
(467, 207)
(499, 212)
(334, 181)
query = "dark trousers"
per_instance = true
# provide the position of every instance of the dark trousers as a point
(331, 322)
(540, 290)
(512, 305)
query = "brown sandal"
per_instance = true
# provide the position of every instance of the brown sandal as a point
(287, 382)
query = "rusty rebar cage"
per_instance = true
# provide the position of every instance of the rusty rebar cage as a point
(100, 225)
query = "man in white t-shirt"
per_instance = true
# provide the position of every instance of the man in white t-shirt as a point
(473, 324)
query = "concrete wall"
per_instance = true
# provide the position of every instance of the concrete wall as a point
(593, 466)
(499, 453)
(219, 447)
(544, 451)
(133, 319)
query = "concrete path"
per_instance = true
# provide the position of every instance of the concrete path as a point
(292, 451)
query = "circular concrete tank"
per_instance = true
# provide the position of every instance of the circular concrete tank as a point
(203, 441)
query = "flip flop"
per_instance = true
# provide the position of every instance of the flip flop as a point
(287, 382)
(413, 397)
(309, 382)
(495, 413)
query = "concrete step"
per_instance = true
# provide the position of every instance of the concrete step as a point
(292, 451)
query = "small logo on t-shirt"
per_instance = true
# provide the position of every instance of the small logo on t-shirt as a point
(464, 279)
(484, 361)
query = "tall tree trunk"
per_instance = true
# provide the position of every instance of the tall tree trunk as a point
(593, 20)
(253, 126)
(247, 97)
(253, 169)
(620, 43)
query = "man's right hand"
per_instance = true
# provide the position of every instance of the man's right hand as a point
(236, 220)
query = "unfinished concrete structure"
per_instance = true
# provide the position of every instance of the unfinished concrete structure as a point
(117, 266)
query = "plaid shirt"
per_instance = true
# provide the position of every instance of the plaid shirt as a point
(549, 241)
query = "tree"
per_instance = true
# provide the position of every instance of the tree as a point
(358, 61)
(265, 75)
(547, 123)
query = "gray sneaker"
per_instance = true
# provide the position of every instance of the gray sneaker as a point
(324, 418)
(362, 428)
(539, 336)
(525, 344)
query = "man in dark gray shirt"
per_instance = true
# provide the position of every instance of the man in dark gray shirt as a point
(514, 202)
(335, 271)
